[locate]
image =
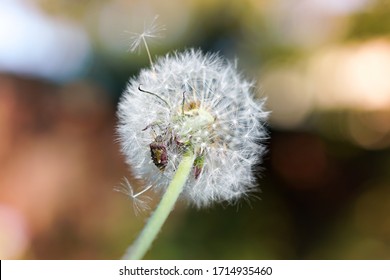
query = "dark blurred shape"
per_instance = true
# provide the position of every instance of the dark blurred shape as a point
(301, 160)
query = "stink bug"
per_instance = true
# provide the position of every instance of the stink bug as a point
(165, 138)
(158, 151)
(158, 148)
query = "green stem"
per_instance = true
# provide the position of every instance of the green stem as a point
(141, 245)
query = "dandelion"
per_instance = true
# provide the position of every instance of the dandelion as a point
(190, 129)
(199, 103)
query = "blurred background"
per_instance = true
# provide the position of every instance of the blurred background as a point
(324, 66)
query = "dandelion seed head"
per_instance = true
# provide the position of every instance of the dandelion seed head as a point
(210, 110)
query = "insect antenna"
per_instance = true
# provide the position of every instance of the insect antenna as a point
(156, 95)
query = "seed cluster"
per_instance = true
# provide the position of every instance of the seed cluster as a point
(191, 101)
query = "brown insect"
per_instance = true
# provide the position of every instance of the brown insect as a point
(158, 148)
(158, 152)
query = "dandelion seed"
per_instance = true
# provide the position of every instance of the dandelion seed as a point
(149, 33)
(139, 200)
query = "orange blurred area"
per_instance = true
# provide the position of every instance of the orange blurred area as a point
(58, 162)
(324, 185)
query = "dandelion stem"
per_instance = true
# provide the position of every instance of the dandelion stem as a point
(141, 245)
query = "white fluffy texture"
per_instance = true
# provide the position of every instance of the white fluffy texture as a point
(231, 144)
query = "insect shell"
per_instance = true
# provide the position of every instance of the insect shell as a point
(158, 148)
(158, 152)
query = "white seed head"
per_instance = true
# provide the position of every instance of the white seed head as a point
(193, 101)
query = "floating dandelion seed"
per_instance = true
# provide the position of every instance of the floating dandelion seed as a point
(150, 32)
(140, 201)
(197, 102)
